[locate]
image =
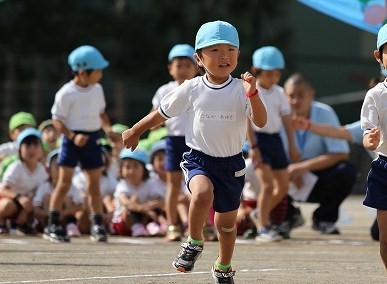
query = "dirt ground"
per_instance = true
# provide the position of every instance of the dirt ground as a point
(308, 257)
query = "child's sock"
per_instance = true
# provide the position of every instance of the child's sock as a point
(222, 267)
(195, 242)
(53, 218)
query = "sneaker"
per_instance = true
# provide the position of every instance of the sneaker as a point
(153, 229)
(139, 230)
(55, 234)
(209, 233)
(98, 233)
(4, 229)
(189, 253)
(25, 229)
(72, 230)
(296, 220)
(173, 233)
(223, 277)
(250, 234)
(283, 229)
(267, 235)
(326, 228)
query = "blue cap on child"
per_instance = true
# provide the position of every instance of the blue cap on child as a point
(86, 57)
(218, 32)
(138, 154)
(382, 36)
(268, 58)
(181, 50)
(27, 133)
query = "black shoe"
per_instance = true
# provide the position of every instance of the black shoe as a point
(250, 234)
(98, 233)
(55, 234)
(326, 228)
(223, 277)
(295, 219)
(25, 229)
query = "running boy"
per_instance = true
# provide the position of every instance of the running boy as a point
(217, 106)
(373, 117)
(79, 113)
(181, 67)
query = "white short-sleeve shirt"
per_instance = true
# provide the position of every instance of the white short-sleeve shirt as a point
(176, 125)
(277, 105)
(23, 181)
(79, 108)
(46, 188)
(374, 114)
(216, 114)
(145, 192)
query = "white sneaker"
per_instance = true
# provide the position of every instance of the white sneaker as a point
(267, 235)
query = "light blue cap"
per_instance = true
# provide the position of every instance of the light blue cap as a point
(245, 147)
(157, 146)
(86, 57)
(50, 156)
(218, 32)
(27, 133)
(268, 58)
(138, 154)
(181, 50)
(382, 36)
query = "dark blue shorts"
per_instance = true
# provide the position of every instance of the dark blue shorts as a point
(175, 148)
(88, 156)
(226, 174)
(376, 194)
(272, 150)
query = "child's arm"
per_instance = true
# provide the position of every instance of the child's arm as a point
(293, 152)
(78, 139)
(131, 136)
(107, 128)
(371, 139)
(258, 110)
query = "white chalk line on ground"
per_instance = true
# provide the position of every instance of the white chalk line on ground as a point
(129, 276)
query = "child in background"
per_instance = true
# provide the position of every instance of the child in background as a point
(78, 114)
(159, 175)
(373, 117)
(138, 203)
(50, 136)
(73, 203)
(181, 67)
(20, 181)
(217, 106)
(266, 143)
(116, 147)
(17, 123)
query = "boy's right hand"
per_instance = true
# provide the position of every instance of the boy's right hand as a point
(373, 139)
(129, 139)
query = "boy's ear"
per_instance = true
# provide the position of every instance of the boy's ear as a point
(377, 56)
(198, 60)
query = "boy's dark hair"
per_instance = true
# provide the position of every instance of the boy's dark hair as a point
(28, 141)
(201, 69)
(88, 72)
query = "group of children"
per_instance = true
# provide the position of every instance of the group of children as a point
(100, 185)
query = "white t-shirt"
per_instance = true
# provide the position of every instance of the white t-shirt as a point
(107, 184)
(277, 105)
(9, 148)
(46, 188)
(252, 185)
(216, 114)
(161, 186)
(176, 125)
(23, 181)
(145, 192)
(79, 108)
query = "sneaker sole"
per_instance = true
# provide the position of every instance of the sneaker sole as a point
(262, 240)
(54, 240)
(182, 268)
(98, 239)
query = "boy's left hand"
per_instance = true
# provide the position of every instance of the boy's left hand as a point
(249, 82)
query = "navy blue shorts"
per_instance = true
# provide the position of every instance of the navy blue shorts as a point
(226, 174)
(88, 156)
(175, 148)
(272, 150)
(376, 194)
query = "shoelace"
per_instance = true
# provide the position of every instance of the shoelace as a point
(224, 277)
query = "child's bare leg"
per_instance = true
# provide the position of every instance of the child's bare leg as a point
(62, 187)
(95, 200)
(225, 224)
(173, 192)
(265, 176)
(382, 222)
(201, 200)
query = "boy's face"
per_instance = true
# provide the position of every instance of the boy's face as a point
(219, 60)
(182, 69)
(268, 78)
(31, 151)
(158, 162)
(50, 134)
(132, 170)
(85, 79)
